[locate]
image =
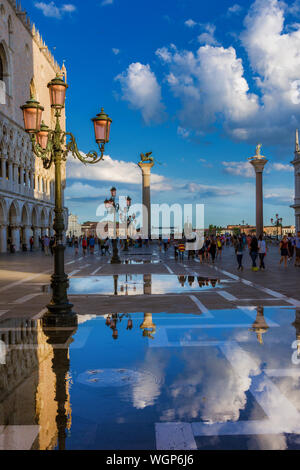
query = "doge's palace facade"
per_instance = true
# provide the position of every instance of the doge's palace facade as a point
(26, 188)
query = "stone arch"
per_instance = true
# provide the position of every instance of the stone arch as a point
(13, 229)
(14, 213)
(25, 215)
(35, 217)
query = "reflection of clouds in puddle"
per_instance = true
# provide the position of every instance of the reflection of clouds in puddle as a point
(146, 392)
(210, 389)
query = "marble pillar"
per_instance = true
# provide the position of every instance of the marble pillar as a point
(146, 176)
(15, 237)
(258, 163)
(3, 239)
(36, 237)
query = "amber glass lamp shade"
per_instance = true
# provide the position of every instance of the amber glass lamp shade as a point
(57, 89)
(42, 135)
(32, 115)
(102, 127)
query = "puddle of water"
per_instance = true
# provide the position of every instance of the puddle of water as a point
(138, 284)
(113, 381)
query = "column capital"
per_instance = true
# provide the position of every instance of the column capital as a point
(146, 167)
(258, 164)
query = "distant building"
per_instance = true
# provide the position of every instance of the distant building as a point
(270, 231)
(74, 227)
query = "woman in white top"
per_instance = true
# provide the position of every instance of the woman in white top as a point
(262, 250)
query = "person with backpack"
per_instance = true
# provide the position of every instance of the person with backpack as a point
(181, 249)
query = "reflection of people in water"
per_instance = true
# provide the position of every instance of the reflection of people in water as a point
(182, 280)
(213, 282)
(191, 280)
(200, 281)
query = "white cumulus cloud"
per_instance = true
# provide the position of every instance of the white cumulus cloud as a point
(53, 11)
(141, 89)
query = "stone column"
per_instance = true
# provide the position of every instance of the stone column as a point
(3, 239)
(36, 236)
(146, 175)
(3, 168)
(258, 164)
(27, 235)
(15, 237)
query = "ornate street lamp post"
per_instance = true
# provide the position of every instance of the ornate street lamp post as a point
(128, 204)
(277, 223)
(53, 146)
(113, 207)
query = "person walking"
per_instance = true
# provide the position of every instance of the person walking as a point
(291, 246)
(212, 249)
(46, 245)
(284, 250)
(297, 249)
(31, 243)
(254, 252)
(262, 251)
(219, 248)
(92, 244)
(51, 245)
(76, 246)
(239, 251)
(181, 249)
(84, 246)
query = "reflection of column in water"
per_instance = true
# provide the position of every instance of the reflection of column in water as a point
(296, 324)
(147, 284)
(148, 327)
(60, 366)
(260, 325)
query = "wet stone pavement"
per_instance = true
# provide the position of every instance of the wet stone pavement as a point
(164, 355)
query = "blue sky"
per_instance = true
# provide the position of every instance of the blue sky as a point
(198, 83)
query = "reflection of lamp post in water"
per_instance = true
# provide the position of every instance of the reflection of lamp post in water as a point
(148, 327)
(113, 319)
(116, 277)
(260, 325)
(60, 340)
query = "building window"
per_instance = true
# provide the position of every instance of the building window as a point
(1, 175)
(7, 170)
(24, 177)
(19, 175)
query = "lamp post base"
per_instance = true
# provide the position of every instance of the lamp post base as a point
(115, 260)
